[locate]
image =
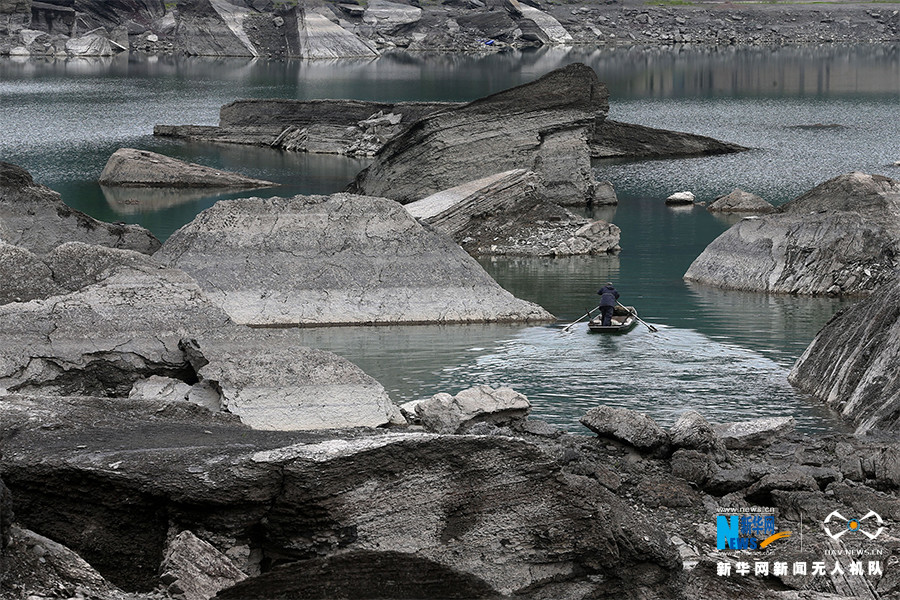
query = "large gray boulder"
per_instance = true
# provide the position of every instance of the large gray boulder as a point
(842, 237)
(390, 17)
(319, 37)
(852, 363)
(495, 512)
(195, 568)
(754, 433)
(128, 167)
(502, 215)
(25, 276)
(543, 126)
(335, 259)
(34, 217)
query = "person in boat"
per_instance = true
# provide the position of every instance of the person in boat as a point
(608, 298)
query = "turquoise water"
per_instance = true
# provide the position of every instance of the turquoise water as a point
(724, 353)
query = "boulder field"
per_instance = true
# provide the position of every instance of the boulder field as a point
(162, 498)
(840, 238)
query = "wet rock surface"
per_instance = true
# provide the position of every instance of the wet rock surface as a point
(851, 363)
(34, 217)
(335, 259)
(128, 167)
(841, 237)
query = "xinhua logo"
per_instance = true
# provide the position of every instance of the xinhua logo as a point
(746, 531)
(842, 525)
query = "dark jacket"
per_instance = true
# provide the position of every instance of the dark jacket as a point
(608, 295)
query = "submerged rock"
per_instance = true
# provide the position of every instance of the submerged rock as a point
(842, 237)
(851, 365)
(314, 260)
(34, 217)
(740, 201)
(128, 167)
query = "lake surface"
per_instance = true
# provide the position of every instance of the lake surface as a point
(726, 354)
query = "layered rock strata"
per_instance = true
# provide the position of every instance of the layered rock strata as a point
(315, 260)
(177, 497)
(128, 167)
(542, 126)
(851, 364)
(305, 500)
(842, 237)
(34, 217)
(502, 215)
(360, 128)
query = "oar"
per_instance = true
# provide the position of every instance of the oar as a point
(566, 328)
(640, 320)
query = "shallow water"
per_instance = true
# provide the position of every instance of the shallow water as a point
(726, 354)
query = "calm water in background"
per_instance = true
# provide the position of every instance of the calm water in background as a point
(726, 354)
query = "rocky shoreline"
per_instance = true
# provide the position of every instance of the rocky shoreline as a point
(313, 29)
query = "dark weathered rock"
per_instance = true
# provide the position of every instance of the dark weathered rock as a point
(443, 413)
(842, 237)
(335, 259)
(34, 217)
(197, 568)
(33, 565)
(851, 365)
(441, 502)
(739, 201)
(502, 215)
(540, 126)
(128, 167)
(635, 429)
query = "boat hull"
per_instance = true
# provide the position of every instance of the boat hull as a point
(622, 322)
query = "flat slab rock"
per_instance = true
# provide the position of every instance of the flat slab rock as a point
(128, 167)
(315, 260)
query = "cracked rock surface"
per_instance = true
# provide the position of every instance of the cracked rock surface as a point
(315, 260)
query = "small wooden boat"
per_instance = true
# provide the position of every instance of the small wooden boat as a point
(622, 321)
